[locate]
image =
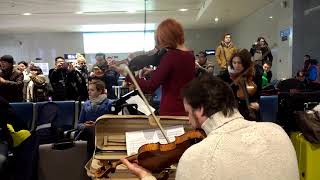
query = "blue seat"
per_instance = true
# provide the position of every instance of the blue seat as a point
(25, 115)
(69, 111)
(268, 108)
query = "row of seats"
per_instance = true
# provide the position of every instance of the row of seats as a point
(27, 113)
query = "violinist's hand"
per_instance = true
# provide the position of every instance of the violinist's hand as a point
(254, 105)
(145, 71)
(136, 169)
(121, 70)
(89, 123)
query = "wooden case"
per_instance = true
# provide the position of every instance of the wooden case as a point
(110, 138)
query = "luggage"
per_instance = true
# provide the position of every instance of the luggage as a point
(308, 122)
(63, 164)
(290, 102)
(289, 85)
(111, 127)
(308, 155)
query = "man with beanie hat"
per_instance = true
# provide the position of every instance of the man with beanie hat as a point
(11, 80)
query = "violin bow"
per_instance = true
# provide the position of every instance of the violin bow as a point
(146, 102)
(244, 89)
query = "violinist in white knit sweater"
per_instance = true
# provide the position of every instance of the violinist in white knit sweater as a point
(234, 147)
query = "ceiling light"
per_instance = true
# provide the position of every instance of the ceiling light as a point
(131, 11)
(270, 17)
(79, 12)
(216, 19)
(117, 27)
(26, 14)
(183, 10)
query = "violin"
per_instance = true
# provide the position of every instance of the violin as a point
(155, 156)
(142, 61)
(246, 89)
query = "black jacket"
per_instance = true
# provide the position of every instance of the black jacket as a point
(266, 52)
(67, 85)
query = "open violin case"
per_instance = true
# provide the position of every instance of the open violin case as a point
(110, 143)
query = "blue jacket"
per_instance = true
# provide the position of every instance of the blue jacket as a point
(312, 74)
(89, 114)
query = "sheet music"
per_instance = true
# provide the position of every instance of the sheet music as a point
(142, 107)
(135, 139)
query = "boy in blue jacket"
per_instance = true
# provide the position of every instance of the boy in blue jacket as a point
(97, 105)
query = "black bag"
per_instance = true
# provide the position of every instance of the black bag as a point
(47, 125)
(309, 124)
(291, 84)
(40, 92)
(291, 102)
(269, 90)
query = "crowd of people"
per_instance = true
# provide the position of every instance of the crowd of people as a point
(66, 81)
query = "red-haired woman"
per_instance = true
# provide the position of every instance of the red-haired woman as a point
(176, 68)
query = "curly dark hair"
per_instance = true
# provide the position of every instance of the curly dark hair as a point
(211, 93)
(246, 62)
(245, 58)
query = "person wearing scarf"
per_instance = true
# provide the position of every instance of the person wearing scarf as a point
(97, 105)
(260, 51)
(240, 63)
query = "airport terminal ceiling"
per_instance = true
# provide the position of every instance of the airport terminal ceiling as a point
(75, 15)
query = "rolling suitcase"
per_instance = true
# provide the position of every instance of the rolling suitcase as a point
(63, 164)
(113, 128)
(308, 155)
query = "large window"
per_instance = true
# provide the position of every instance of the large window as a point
(118, 42)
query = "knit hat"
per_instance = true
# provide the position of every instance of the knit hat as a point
(7, 58)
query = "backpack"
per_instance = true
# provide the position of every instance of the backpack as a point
(48, 125)
(40, 92)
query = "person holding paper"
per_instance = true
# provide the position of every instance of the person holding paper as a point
(234, 147)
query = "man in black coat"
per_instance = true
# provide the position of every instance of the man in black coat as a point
(11, 80)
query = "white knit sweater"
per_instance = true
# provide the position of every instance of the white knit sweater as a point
(239, 149)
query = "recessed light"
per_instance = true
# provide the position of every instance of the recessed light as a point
(183, 10)
(79, 12)
(26, 14)
(270, 17)
(131, 11)
(216, 19)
